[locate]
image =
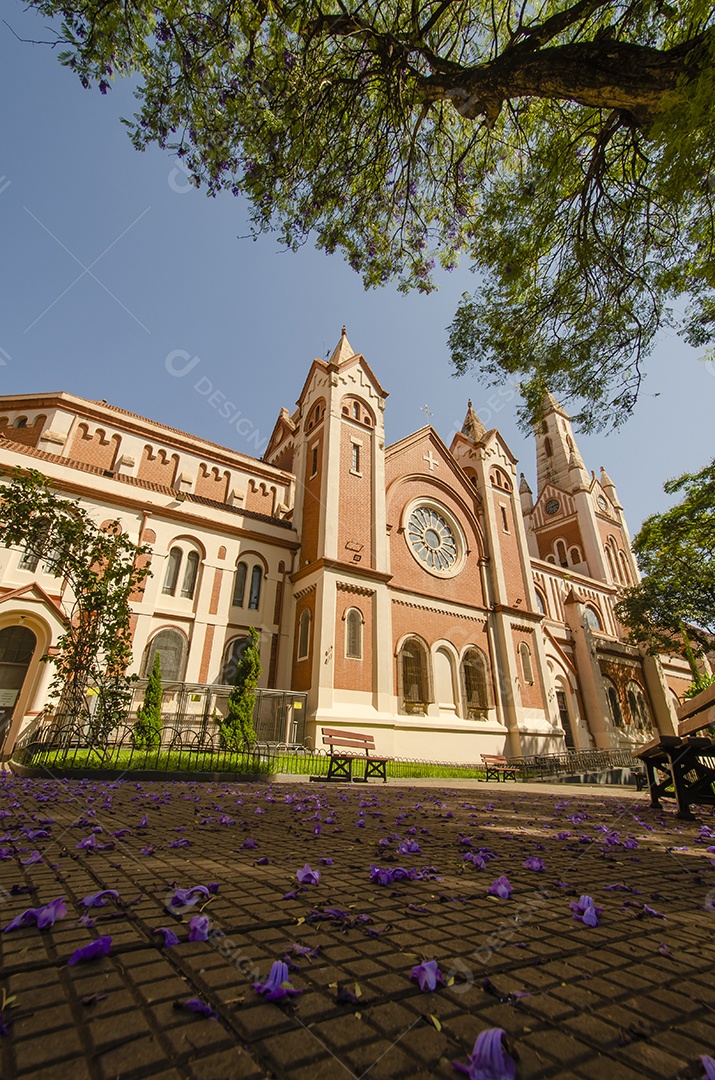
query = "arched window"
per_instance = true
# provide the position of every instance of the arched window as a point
(20, 422)
(540, 602)
(234, 651)
(551, 559)
(254, 596)
(561, 553)
(547, 447)
(304, 635)
(592, 618)
(173, 564)
(640, 714)
(611, 565)
(624, 567)
(614, 704)
(475, 682)
(356, 410)
(353, 634)
(239, 584)
(191, 573)
(526, 666)
(414, 673)
(28, 561)
(575, 556)
(172, 648)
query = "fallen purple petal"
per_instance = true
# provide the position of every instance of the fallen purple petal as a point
(428, 975)
(95, 949)
(277, 985)
(490, 1059)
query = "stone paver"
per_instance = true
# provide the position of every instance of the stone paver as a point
(632, 997)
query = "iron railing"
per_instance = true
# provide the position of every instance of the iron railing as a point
(572, 762)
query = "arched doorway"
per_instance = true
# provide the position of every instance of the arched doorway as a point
(17, 647)
(444, 681)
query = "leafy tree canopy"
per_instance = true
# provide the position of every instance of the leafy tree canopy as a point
(99, 570)
(673, 608)
(565, 147)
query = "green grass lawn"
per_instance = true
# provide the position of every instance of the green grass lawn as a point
(161, 761)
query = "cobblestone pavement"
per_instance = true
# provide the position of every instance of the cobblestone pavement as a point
(630, 998)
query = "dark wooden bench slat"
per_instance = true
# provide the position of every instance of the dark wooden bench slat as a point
(341, 760)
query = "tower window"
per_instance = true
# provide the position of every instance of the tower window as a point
(172, 571)
(254, 596)
(356, 409)
(304, 635)
(548, 447)
(190, 575)
(525, 654)
(314, 461)
(353, 634)
(504, 520)
(239, 584)
(355, 458)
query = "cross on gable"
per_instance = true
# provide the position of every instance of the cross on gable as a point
(431, 460)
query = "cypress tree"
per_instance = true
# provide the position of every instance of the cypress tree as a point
(147, 729)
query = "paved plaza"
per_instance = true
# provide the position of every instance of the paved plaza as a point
(405, 873)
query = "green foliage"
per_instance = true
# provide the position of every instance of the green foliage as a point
(566, 148)
(702, 682)
(673, 608)
(147, 728)
(98, 570)
(237, 730)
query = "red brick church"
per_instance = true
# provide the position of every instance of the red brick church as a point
(417, 592)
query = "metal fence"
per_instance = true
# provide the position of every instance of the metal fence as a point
(198, 708)
(573, 762)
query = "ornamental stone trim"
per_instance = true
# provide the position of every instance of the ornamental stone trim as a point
(454, 614)
(361, 590)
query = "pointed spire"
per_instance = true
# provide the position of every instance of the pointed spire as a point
(343, 350)
(549, 404)
(610, 488)
(472, 427)
(525, 496)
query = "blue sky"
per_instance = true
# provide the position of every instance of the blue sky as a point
(111, 262)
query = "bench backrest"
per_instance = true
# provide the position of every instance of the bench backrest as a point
(494, 759)
(351, 740)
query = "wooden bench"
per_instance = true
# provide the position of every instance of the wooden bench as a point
(497, 767)
(354, 748)
(680, 768)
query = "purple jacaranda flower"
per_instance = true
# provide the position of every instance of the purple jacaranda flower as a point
(170, 937)
(664, 949)
(195, 1005)
(409, 847)
(95, 949)
(304, 950)
(36, 834)
(148, 850)
(277, 985)
(5, 853)
(250, 843)
(226, 820)
(620, 886)
(345, 996)
(180, 843)
(325, 862)
(199, 928)
(144, 822)
(647, 910)
(533, 863)
(630, 843)
(122, 832)
(262, 862)
(586, 911)
(489, 1059)
(306, 876)
(708, 1063)
(42, 917)
(477, 860)
(86, 921)
(32, 858)
(428, 975)
(562, 835)
(99, 899)
(501, 888)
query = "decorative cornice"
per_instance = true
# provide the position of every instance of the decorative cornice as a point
(481, 617)
(348, 586)
(304, 592)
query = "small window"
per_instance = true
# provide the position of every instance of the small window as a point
(624, 566)
(314, 461)
(540, 603)
(353, 634)
(526, 667)
(254, 596)
(561, 553)
(173, 565)
(239, 585)
(504, 519)
(551, 559)
(592, 618)
(356, 409)
(575, 556)
(234, 653)
(614, 705)
(20, 422)
(356, 458)
(304, 635)
(28, 561)
(190, 575)
(547, 447)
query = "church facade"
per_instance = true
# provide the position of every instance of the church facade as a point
(417, 592)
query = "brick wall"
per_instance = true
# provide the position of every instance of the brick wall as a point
(27, 436)
(302, 668)
(352, 674)
(157, 467)
(434, 626)
(211, 483)
(97, 449)
(356, 496)
(260, 497)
